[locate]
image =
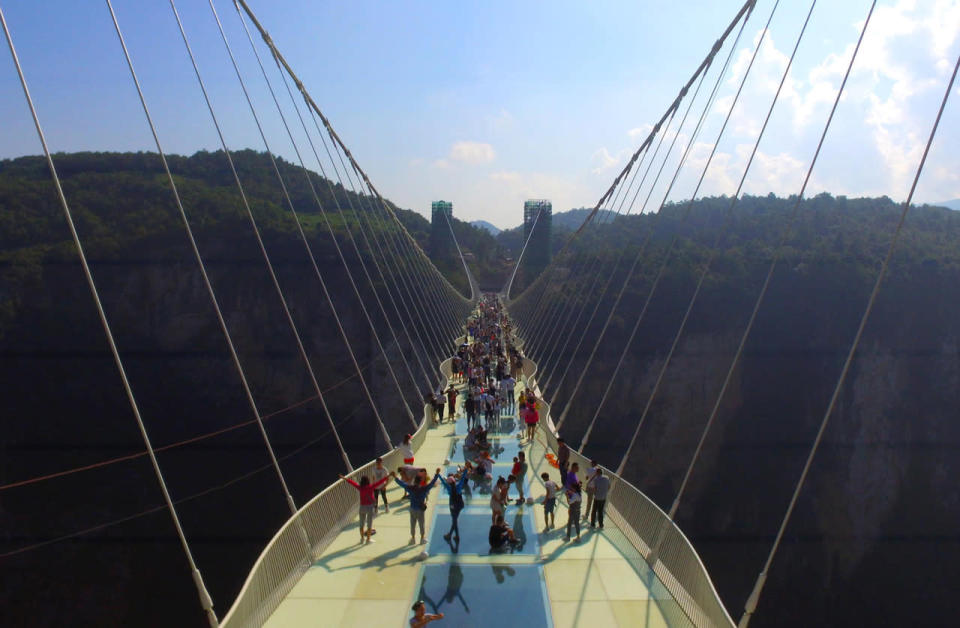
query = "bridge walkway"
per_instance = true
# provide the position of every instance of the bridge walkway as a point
(545, 581)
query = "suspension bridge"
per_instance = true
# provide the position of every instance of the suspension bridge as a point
(640, 568)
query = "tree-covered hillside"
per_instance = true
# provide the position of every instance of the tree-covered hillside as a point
(64, 406)
(881, 502)
(880, 498)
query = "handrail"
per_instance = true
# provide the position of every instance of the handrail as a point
(305, 536)
(660, 544)
(658, 540)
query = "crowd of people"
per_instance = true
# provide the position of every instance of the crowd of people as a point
(486, 372)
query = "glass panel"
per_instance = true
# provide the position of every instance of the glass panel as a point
(485, 596)
(474, 524)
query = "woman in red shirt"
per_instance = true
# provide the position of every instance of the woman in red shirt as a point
(367, 502)
(531, 418)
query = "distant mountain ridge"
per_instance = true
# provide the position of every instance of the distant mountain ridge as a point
(954, 204)
(489, 227)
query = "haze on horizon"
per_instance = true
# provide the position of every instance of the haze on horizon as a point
(488, 104)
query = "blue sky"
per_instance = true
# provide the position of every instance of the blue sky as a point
(486, 104)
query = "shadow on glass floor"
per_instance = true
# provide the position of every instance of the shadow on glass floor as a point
(474, 524)
(505, 425)
(486, 596)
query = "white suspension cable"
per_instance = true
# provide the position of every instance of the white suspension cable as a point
(417, 278)
(666, 257)
(746, 9)
(323, 214)
(760, 297)
(509, 286)
(363, 232)
(205, 600)
(203, 270)
(744, 13)
(256, 231)
(435, 276)
(554, 356)
(466, 269)
(408, 279)
(289, 202)
(754, 598)
(708, 106)
(722, 232)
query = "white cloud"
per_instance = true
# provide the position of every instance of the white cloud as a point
(472, 153)
(640, 133)
(605, 162)
(876, 139)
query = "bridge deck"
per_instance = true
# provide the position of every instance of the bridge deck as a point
(546, 581)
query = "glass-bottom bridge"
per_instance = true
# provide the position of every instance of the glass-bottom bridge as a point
(637, 571)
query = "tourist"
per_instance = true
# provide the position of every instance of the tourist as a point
(588, 487)
(549, 500)
(500, 534)
(563, 458)
(508, 385)
(454, 488)
(420, 616)
(571, 477)
(519, 473)
(601, 487)
(573, 509)
(408, 472)
(368, 501)
(406, 449)
(380, 473)
(485, 465)
(469, 408)
(482, 441)
(531, 418)
(418, 491)
(470, 440)
(497, 499)
(452, 403)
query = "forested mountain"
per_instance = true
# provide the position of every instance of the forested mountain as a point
(64, 406)
(488, 226)
(880, 506)
(880, 502)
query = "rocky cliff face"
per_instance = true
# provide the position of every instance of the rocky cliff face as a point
(872, 520)
(64, 407)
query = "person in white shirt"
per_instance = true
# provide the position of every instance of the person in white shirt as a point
(601, 484)
(549, 500)
(591, 474)
(406, 450)
(508, 385)
(573, 509)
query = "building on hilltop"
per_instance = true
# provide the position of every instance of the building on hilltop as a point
(538, 227)
(442, 246)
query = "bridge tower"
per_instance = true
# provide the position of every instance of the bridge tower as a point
(538, 219)
(441, 240)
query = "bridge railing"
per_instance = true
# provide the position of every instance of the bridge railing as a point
(305, 536)
(658, 541)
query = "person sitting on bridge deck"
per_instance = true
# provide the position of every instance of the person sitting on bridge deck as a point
(500, 534)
